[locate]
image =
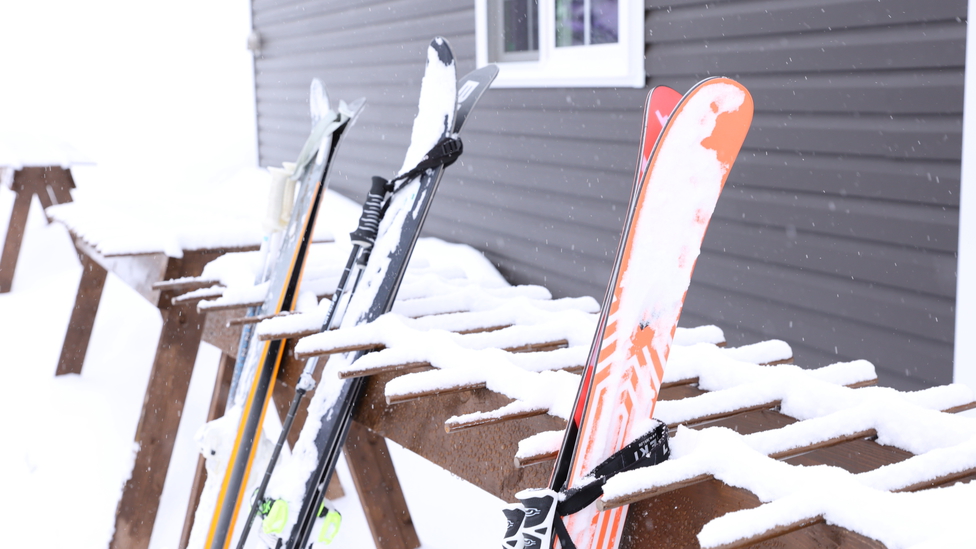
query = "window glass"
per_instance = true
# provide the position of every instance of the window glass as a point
(517, 34)
(562, 43)
(586, 22)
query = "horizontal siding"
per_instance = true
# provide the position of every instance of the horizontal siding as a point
(837, 230)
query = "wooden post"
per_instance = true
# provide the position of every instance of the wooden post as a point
(379, 490)
(52, 186)
(15, 235)
(218, 402)
(162, 407)
(75, 345)
(158, 425)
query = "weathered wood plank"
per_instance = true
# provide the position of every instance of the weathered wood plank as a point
(379, 489)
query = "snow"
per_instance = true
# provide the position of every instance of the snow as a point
(943, 444)
(167, 121)
(18, 150)
(165, 146)
(226, 215)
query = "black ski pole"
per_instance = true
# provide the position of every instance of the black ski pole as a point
(362, 239)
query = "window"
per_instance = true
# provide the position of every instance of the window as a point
(562, 43)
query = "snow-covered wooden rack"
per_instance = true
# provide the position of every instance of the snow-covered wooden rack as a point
(138, 243)
(51, 185)
(32, 165)
(479, 378)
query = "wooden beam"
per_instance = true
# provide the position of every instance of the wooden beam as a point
(707, 418)
(772, 533)
(162, 406)
(389, 368)
(157, 427)
(15, 232)
(454, 425)
(186, 284)
(379, 489)
(406, 397)
(82, 321)
(345, 349)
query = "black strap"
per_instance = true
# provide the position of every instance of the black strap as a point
(444, 153)
(648, 449)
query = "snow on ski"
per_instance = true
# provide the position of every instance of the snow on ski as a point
(443, 108)
(673, 206)
(658, 106)
(261, 365)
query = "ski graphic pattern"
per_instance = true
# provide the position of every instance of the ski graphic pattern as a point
(658, 106)
(662, 240)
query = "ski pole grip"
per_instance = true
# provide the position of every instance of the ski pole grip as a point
(369, 222)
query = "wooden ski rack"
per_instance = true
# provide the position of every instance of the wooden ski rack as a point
(473, 429)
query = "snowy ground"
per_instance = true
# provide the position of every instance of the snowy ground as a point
(160, 97)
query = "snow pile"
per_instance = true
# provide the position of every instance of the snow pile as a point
(19, 150)
(227, 215)
(944, 444)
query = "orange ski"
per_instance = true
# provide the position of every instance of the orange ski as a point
(671, 208)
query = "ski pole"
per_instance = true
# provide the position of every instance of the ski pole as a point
(362, 238)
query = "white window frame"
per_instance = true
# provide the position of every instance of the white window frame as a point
(964, 362)
(595, 66)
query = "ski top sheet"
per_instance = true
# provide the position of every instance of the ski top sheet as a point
(263, 359)
(671, 208)
(659, 104)
(443, 108)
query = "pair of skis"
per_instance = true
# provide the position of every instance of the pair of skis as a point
(445, 104)
(393, 216)
(258, 363)
(677, 185)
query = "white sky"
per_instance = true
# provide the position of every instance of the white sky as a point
(149, 90)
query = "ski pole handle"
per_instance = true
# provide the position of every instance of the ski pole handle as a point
(369, 222)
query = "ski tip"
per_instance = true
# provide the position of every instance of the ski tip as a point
(318, 101)
(488, 72)
(443, 49)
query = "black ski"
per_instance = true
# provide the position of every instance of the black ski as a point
(381, 279)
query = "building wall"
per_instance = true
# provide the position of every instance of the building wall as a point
(837, 230)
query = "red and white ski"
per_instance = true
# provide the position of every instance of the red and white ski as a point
(662, 241)
(674, 197)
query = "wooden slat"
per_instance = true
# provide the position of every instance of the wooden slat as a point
(453, 426)
(387, 369)
(187, 284)
(187, 299)
(206, 307)
(708, 418)
(773, 533)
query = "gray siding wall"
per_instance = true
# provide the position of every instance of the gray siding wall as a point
(837, 230)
